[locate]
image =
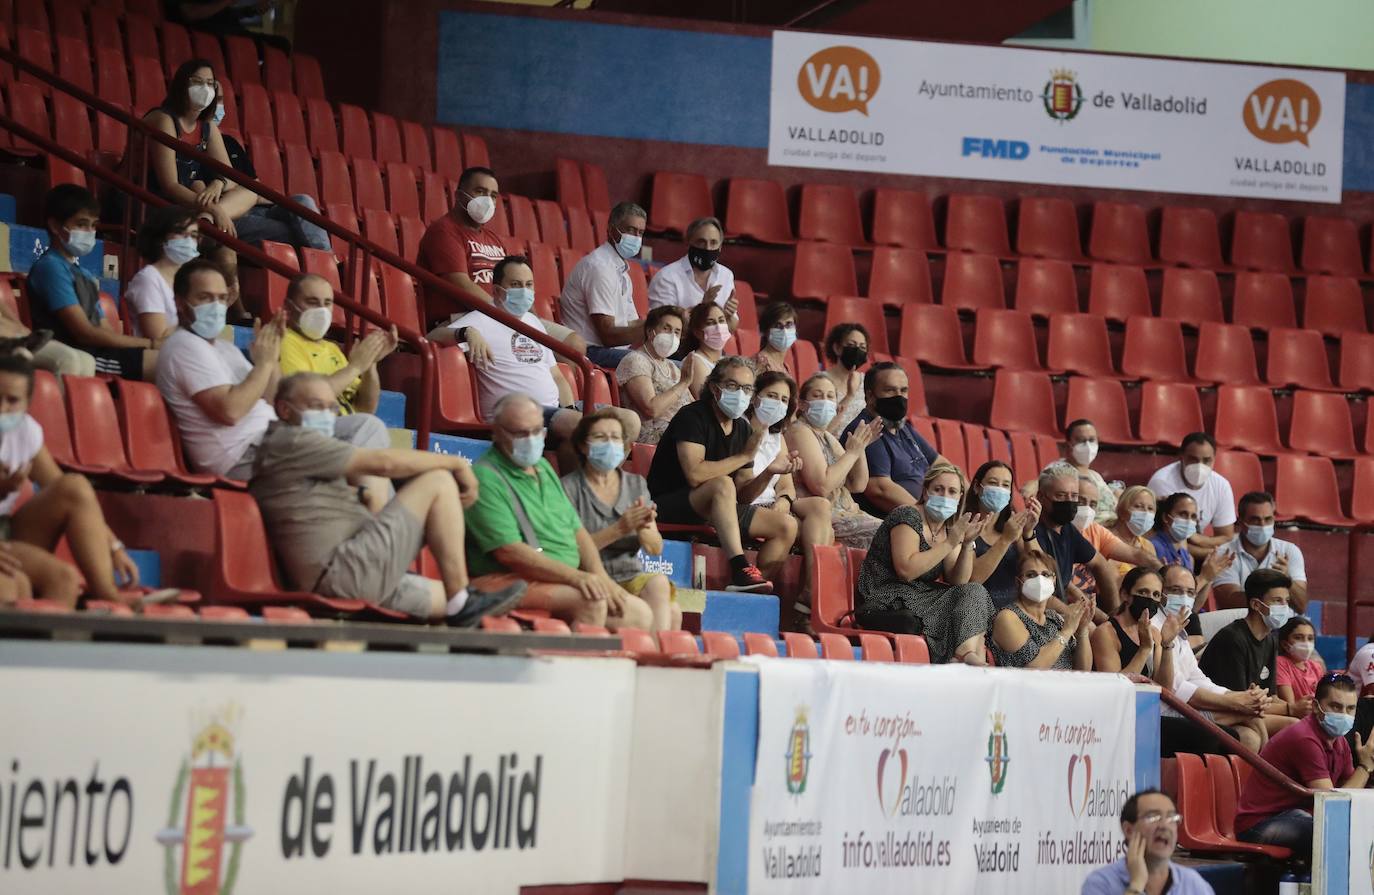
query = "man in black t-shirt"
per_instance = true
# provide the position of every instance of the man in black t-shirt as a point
(703, 472)
(1059, 537)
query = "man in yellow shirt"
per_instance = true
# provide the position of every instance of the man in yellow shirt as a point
(304, 349)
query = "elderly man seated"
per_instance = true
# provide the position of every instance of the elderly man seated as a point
(304, 348)
(306, 484)
(524, 527)
(598, 299)
(698, 276)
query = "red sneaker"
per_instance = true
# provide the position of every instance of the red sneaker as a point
(749, 579)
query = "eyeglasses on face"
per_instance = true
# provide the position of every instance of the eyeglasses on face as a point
(1155, 817)
(729, 385)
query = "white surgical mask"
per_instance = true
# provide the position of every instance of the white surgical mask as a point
(1085, 452)
(80, 242)
(1301, 650)
(1259, 535)
(10, 421)
(180, 250)
(820, 411)
(314, 322)
(666, 344)
(1084, 517)
(219, 113)
(481, 208)
(321, 421)
(1037, 589)
(1195, 475)
(1140, 521)
(209, 319)
(770, 410)
(201, 95)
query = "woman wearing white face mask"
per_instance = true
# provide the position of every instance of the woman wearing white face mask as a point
(774, 404)
(778, 332)
(919, 566)
(1027, 634)
(1299, 667)
(708, 329)
(168, 239)
(655, 387)
(831, 471)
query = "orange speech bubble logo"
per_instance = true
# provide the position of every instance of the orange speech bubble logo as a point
(1282, 111)
(838, 79)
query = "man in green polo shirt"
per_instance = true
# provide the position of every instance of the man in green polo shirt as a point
(524, 527)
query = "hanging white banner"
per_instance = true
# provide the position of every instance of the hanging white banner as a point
(1040, 116)
(876, 778)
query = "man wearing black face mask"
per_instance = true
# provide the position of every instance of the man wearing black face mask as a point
(1061, 539)
(698, 276)
(899, 458)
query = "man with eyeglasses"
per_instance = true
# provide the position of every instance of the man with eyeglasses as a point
(703, 473)
(331, 537)
(1313, 752)
(1150, 821)
(524, 527)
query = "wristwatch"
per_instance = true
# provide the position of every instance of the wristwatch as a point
(1063, 641)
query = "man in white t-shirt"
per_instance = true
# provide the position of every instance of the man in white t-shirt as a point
(598, 298)
(220, 400)
(517, 364)
(1192, 473)
(698, 275)
(1257, 548)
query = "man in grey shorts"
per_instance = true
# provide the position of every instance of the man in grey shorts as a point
(307, 484)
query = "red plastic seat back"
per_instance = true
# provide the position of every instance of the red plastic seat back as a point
(593, 180)
(836, 646)
(756, 644)
(822, 270)
(975, 223)
(931, 334)
(719, 645)
(677, 643)
(94, 424)
(800, 646)
(832, 595)
(386, 136)
(1247, 419)
(256, 110)
(416, 143)
(635, 640)
(1023, 401)
(448, 153)
(1195, 803)
(1332, 246)
(367, 185)
(1241, 468)
(1306, 488)
(1045, 287)
(324, 131)
(758, 209)
(972, 282)
(1005, 339)
(1119, 292)
(553, 230)
(1120, 233)
(1297, 357)
(677, 199)
(309, 78)
(876, 648)
(1357, 361)
(243, 560)
(1192, 296)
(568, 183)
(1260, 240)
(1047, 227)
(1263, 300)
(1104, 402)
(1321, 424)
(1188, 237)
(1079, 344)
(911, 649)
(1226, 353)
(399, 300)
(900, 276)
(523, 224)
(1168, 412)
(1334, 306)
(402, 191)
(149, 438)
(830, 213)
(454, 394)
(903, 218)
(50, 411)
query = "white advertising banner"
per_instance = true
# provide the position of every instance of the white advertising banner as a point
(891, 779)
(1361, 842)
(416, 774)
(1041, 116)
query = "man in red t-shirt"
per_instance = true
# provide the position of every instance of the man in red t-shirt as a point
(1314, 753)
(463, 248)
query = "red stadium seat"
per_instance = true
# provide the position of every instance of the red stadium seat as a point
(720, 645)
(50, 411)
(1241, 468)
(976, 223)
(911, 649)
(1192, 296)
(1263, 300)
(800, 646)
(678, 643)
(72, 123)
(206, 46)
(412, 231)
(949, 438)
(30, 15)
(26, 106)
(355, 131)
(580, 233)
(972, 282)
(899, 276)
(386, 137)
(416, 143)
(309, 79)
(1188, 238)
(641, 458)
(931, 334)
(448, 153)
(903, 218)
(1047, 227)
(876, 648)
(637, 641)
(256, 110)
(112, 80)
(639, 283)
(1005, 339)
(553, 230)
(455, 405)
(998, 448)
(290, 119)
(1168, 412)
(1045, 287)
(150, 437)
(1024, 461)
(547, 283)
(74, 62)
(677, 200)
(433, 197)
(748, 313)
(62, 172)
(267, 161)
(243, 59)
(402, 193)
(1321, 424)
(95, 429)
(276, 69)
(830, 213)
(36, 47)
(149, 85)
(593, 179)
(1120, 234)
(1357, 362)
(380, 227)
(523, 223)
(1306, 488)
(300, 172)
(106, 33)
(841, 309)
(551, 626)
(1119, 292)
(822, 270)
(757, 209)
(568, 183)
(1023, 401)
(1260, 240)
(367, 184)
(324, 131)
(1247, 419)
(1226, 353)
(1196, 802)
(975, 446)
(140, 38)
(1334, 306)
(1297, 357)
(1078, 343)
(1362, 491)
(176, 47)
(264, 290)
(1104, 402)
(1225, 794)
(1331, 246)
(836, 646)
(503, 624)
(756, 644)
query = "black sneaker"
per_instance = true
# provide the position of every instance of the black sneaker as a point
(487, 602)
(749, 579)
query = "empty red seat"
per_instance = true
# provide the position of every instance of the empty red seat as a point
(149, 85)
(300, 171)
(830, 213)
(1226, 353)
(448, 153)
(931, 334)
(523, 223)
(949, 438)
(1225, 793)
(1023, 401)
(903, 218)
(1321, 424)
(1242, 469)
(1362, 491)
(1047, 227)
(206, 46)
(256, 110)
(95, 429)
(678, 643)
(289, 119)
(150, 437)
(380, 227)
(1119, 292)
(972, 282)
(265, 290)
(324, 131)
(176, 47)
(1168, 412)
(1192, 296)
(243, 59)
(455, 405)
(593, 175)
(1357, 362)
(1248, 419)
(1260, 240)
(386, 139)
(1263, 300)
(71, 122)
(1334, 306)
(412, 231)
(356, 133)
(757, 209)
(434, 201)
(1045, 287)
(1297, 357)
(309, 78)
(844, 309)
(416, 143)
(1005, 339)
(720, 645)
(402, 190)
(553, 230)
(568, 183)
(911, 649)
(105, 27)
(1104, 402)
(1306, 488)
(1188, 237)
(822, 270)
(26, 106)
(1119, 234)
(975, 223)
(399, 301)
(113, 85)
(36, 47)
(1078, 343)
(677, 199)
(1024, 461)
(836, 646)
(367, 185)
(547, 283)
(876, 648)
(276, 69)
(975, 446)
(140, 38)
(899, 276)
(74, 62)
(267, 161)
(800, 646)
(1331, 245)
(47, 407)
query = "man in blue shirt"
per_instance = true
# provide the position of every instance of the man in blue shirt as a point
(66, 299)
(1150, 822)
(898, 460)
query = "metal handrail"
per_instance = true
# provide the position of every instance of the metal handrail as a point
(369, 250)
(1352, 580)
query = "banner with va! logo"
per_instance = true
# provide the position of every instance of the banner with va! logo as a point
(1041, 116)
(888, 778)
